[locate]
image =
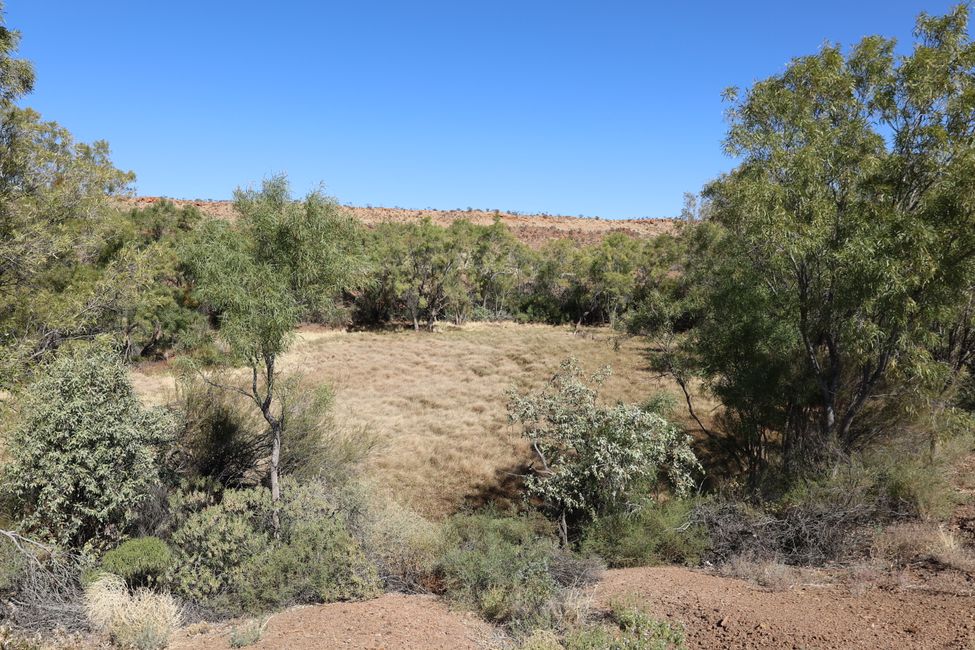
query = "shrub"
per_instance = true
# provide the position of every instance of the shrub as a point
(223, 440)
(315, 562)
(901, 545)
(767, 573)
(404, 546)
(227, 559)
(825, 519)
(503, 568)
(247, 634)
(220, 439)
(660, 533)
(594, 460)
(212, 545)
(142, 620)
(140, 562)
(913, 488)
(84, 455)
(630, 628)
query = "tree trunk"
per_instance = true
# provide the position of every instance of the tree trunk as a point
(563, 531)
(275, 479)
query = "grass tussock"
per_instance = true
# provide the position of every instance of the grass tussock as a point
(139, 620)
(902, 545)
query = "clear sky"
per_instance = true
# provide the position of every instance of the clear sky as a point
(599, 108)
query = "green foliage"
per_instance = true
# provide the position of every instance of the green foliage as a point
(164, 317)
(316, 561)
(659, 533)
(141, 562)
(404, 546)
(280, 262)
(596, 460)
(16, 75)
(498, 566)
(227, 558)
(85, 454)
(631, 629)
(53, 214)
(509, 569)
(842, 259)
(220, 439)
(223, 441)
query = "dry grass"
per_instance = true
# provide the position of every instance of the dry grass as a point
(902, 545)
(143, 620)
(767, 573)
(437, 400)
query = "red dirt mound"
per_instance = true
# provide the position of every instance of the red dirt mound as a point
(391, 621)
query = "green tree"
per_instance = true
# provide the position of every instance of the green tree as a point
(54, 195)
(282, 261)
(85, 454)
(844, 244)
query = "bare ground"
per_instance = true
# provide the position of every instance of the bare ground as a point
(719, 612)
(715, 612)
(391, 621)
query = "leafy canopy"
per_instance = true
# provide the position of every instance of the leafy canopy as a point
(84, 453)
(843, 245)
(597, 460)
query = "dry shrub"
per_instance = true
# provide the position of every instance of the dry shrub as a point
(403, 545)
(541, 640)
(40, 585)
(248, 633)
(767, 573)
(901, 545)
(141, 620)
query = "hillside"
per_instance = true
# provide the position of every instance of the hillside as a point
(532, 229)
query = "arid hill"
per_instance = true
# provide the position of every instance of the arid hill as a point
(532, 229)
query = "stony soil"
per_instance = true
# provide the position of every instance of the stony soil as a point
(716, 612)
(391, 621)
(719, 612)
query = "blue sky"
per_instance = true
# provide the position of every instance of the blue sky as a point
(603, 108)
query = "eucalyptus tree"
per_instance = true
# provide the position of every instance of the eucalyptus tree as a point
(844, 244)
(280, 262)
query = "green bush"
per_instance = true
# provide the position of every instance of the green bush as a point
(506, 568)
(85, 454)
(140, 562)
(404, 546)
(660, 533)
(318, 562)
(228, 561)
(630, 629)
(595, 460)
(224, 440)
(915, 489)
(212, 545)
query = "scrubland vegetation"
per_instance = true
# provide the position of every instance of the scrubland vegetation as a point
(206, 419)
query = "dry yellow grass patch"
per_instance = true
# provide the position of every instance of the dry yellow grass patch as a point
(437, 400)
